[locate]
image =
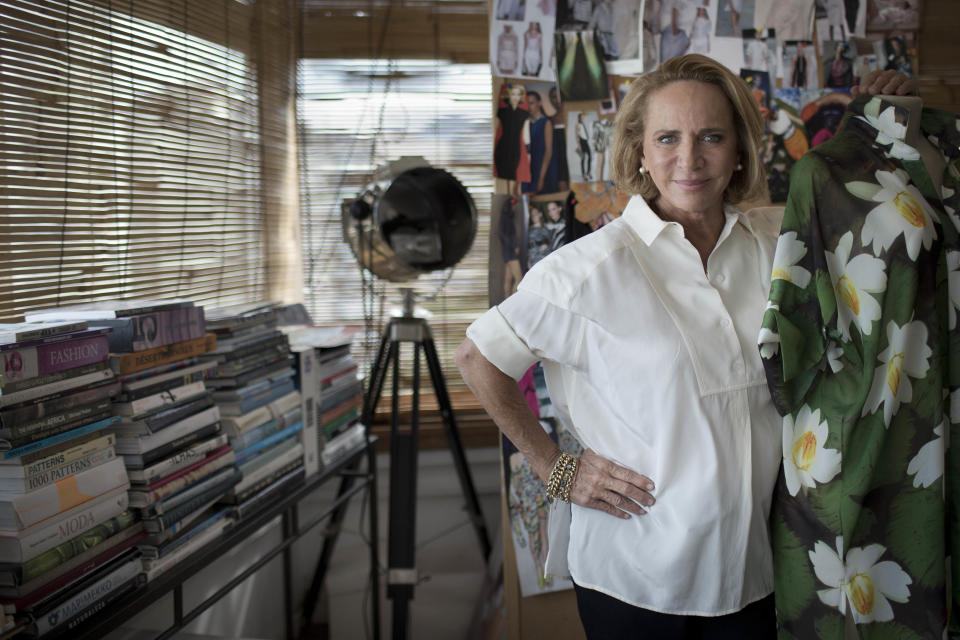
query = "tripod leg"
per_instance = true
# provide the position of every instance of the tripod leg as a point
(402, 577)
(456, 446)
(378, 374)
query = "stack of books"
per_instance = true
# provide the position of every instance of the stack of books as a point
(168, 434)
(332, 392)
(66, 534)
(260, 407)
(340, 402)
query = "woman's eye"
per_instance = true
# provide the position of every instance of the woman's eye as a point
(712, 137)
(666, 139)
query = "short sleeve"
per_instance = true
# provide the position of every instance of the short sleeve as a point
(524, 329)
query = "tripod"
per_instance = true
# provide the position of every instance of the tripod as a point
(402, 575)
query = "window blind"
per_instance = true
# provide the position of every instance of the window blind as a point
(357, 114)
(130, 156)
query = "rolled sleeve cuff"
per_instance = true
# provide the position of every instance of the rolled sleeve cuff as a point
(499, 344)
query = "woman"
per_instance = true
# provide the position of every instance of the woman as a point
(532, 50)
(539, 237)
(510, 159)
(646, 329)
(583, 147)
(543, 161)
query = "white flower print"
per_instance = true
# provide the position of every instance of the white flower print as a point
(889, 131)
(905, 357)
(853, 281)
(834, 353)
(789, 252)
(927, 465)
(953, 285)
(768, 339)
(805, 460)
(902, 211)
(866, 585)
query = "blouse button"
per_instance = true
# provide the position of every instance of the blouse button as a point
(720, 278)
(725, 323)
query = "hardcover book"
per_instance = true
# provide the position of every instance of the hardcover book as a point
(23, 331)
(145, 496)
(21, 546)
(143, 444)
(177, 461)
(103, 310)
(8, 387)
(16, 452)
(56, 456)
(24, 362)
(47, 405)
(19, 511)
(154, 329)
(56, 474)
(125, 363)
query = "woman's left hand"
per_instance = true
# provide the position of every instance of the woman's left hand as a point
(887, 83)
(606, 486)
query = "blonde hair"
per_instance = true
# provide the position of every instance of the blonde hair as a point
(748, 123)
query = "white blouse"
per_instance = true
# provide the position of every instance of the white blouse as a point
(653, 364)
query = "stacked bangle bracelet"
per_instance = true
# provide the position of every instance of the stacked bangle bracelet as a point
(561, 477)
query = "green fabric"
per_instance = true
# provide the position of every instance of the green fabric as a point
(860, 346)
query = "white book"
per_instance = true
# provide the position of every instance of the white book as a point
(104, 310)
(39, 480)
(138, 445)
(21, 546)
(23, 331)
(19, 511)
(309, 400)
(342, 443)
(177, 461)
(236, 426)
(166, 398)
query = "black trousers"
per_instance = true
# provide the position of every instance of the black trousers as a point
(606, 618)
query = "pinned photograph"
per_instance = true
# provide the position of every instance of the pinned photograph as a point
(581, 74)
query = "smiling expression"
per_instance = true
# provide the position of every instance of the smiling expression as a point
(689, 148)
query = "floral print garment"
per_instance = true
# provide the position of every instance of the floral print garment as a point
(860, 345)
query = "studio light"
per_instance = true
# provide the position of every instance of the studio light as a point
(411, 219)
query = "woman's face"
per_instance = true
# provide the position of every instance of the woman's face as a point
(553, 211)
(689, 147)
(516, 95)
(533, 104)
(536, 216)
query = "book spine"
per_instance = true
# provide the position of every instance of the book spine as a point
(188, 478)
(30, 508)
(263, 477)
(340, 396)
(27, 546)
(16, 452)
(68, 630)
(142, 444)
(26, 332)
(53, 431)
(177, 513)
(153, 568)
(55, 557)
(160, 452)
(329, 424)
(70, 416)
(37, 410)
(98, 590)
(44, 478)
(154, 329)
(130, 395)
(44, 359)
(166, 398)
(126, 363)
(264, 496)
(55, 391)
(252, 437)
(267, 442)
(177, 462)
(241, 424)
(41, 461)
(272, 393)
(29, 383)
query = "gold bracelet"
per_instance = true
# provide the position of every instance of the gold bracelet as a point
(561, 477)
